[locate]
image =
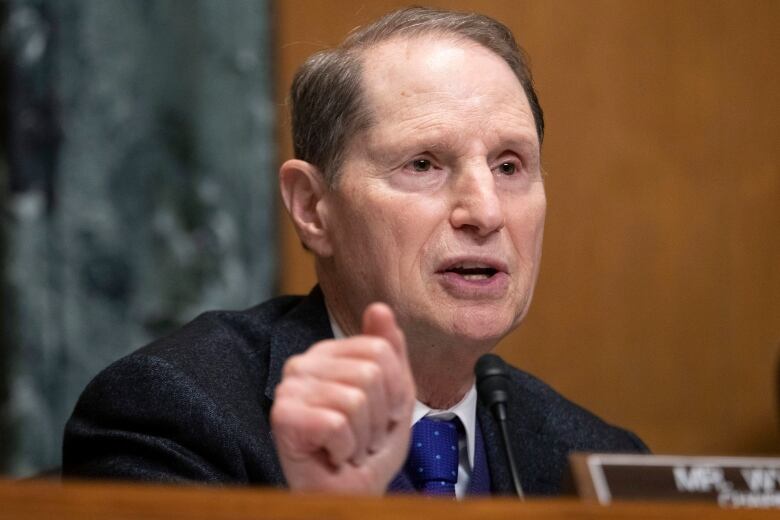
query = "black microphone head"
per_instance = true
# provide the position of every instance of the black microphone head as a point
(492, 380)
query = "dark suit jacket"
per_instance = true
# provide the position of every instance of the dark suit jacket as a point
(194, 407)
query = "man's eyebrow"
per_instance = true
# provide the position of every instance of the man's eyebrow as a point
(422, 141)
(525, 140)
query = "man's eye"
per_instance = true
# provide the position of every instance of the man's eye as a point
(507, 168)
(421, 165)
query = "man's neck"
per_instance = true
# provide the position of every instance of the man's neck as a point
(442, 377)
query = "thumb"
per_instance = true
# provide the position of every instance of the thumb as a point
(379, 320)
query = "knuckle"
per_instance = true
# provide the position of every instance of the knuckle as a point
(338, 423)
(288, 389)
(370, 373)
(281, 415)
(293, 366)
(377, 347)
(281, 392)
(355, 400)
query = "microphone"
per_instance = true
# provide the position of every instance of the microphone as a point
(493, 390)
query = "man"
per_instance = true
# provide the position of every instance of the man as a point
(417, 184)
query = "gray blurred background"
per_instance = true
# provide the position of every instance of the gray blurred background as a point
(137, 190)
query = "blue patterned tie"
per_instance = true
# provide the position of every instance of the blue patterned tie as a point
(432, 464)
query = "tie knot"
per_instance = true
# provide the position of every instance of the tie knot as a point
(433, 456)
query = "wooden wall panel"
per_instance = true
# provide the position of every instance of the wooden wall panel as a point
(658, 304)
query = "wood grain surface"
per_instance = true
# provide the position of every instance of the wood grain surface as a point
(35, 500)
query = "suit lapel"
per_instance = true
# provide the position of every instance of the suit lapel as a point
(306, 324)
(540, 459)
(479, 484)
(294, 332)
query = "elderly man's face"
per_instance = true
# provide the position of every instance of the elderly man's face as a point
(439, 209)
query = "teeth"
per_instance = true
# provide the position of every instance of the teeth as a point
(475, 276)
(471, 265)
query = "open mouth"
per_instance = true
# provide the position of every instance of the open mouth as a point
(473, 273)
(476, 277)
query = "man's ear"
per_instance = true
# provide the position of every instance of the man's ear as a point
(303, 188)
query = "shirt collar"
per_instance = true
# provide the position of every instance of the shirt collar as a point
(465, 410)
(337, 332)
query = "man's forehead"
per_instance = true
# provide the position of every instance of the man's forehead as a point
(434, 52)
(413, 62)
(425, 77)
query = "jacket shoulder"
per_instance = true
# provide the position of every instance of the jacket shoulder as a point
(567, 422)
(187, 407)
(219, 333)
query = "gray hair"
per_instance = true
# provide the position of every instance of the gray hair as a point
(326, 98)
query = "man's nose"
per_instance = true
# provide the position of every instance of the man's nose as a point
(477, 205)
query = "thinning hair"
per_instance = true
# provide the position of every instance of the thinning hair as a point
(327, 103)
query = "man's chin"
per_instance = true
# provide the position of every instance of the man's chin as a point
(471, 326)
(480, 327)
(478, 333)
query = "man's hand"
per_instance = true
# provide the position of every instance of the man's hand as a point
(342, 412)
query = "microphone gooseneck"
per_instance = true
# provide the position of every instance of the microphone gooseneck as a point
(493, 390)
